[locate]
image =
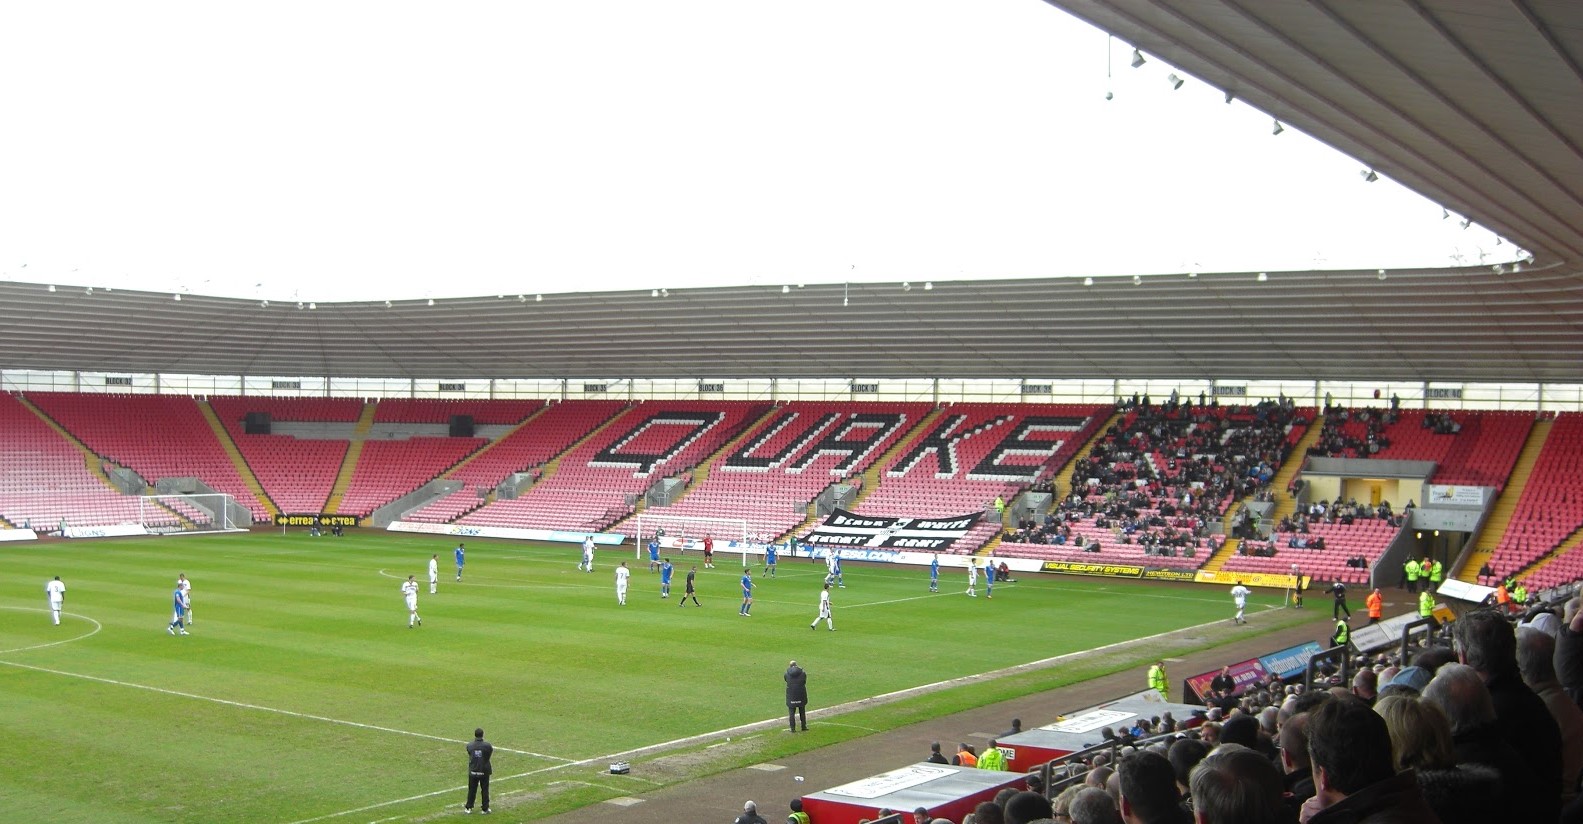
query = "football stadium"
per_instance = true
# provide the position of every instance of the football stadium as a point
(1064, 544)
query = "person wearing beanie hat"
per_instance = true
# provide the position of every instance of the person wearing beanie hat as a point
(1413, 678)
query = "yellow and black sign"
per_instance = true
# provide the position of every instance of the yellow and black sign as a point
(1107, 570)
(1252, 579)
(1168, 574)
(310, 518)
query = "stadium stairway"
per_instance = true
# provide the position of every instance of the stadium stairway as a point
(701, 471)
(90, 459)
(1506, 505)
(354, 451)
(1567, 545)
(554, 463)
(451, 473)
(871, 476)
(242, 469)
(1063, 478)
(1285, 504)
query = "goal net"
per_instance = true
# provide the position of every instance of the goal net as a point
(200, 512)
(684, 531)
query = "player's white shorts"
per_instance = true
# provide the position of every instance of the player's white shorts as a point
(621, 589)
(412, 604)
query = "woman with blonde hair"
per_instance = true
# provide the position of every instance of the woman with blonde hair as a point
(1421, 742)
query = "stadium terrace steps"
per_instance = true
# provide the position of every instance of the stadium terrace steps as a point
(223, 435)
(1063, 478)
(1506, 505)
(49, 478)
(1550, 508)
(594, 484)
(457, 470)
(354, 452)
(787, 457)
(1227, 551)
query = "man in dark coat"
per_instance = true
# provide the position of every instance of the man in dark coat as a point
(796, 696)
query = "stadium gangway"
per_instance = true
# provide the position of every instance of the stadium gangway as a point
(1053, 786)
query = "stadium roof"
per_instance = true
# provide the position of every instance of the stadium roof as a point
(1469, 102)
(1465, 325)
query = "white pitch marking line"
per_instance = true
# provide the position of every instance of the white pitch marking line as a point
(778, 720)
(261, 708)
(95, 631)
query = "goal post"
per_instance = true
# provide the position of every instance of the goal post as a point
(198, 512)
(685, 527)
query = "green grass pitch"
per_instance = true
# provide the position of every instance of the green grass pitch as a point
(302, 695)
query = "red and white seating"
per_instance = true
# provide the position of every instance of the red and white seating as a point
(1551, 506)
(296, 473)
(156, 436)
(596, 483)
(1366, 538)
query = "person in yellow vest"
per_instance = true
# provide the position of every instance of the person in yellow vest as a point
(1520, 596)
(1157, 680)
(797, 815)
(1426, 604)
(1342, 635)
(993, 758)
(1437, 574)
(1376, 605)
(1412, 574)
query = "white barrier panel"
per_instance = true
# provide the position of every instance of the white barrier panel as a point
(1464, 591)
(115, 531)
(553, 535)
(17, 535)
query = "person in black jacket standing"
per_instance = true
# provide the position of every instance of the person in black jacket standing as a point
(478, 770)
(796, 696)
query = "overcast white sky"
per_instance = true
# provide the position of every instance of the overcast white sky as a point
(358, 150)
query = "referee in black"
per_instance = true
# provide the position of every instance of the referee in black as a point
(478, 769)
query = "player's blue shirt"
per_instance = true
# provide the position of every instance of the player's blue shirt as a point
(837, 561)
(459, 560)
(654, 550)
(769, 554)
(934, 568)
(989, 575)
(665, 572)
(177, 597)
(747, 585)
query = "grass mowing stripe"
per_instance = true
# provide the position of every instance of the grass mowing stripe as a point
(537, 653)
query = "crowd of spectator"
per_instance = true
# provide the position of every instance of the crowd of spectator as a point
(1160, 478)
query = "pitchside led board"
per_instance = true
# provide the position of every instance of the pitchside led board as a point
(947, 791)
(1081, 730)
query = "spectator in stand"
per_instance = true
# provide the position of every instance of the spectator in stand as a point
(1298, 779)
(1536, 660)
(1421, 743)
(1364, 685)
(1354, 778)
(1236, 785)
(1487, 642)
(964, 756)
(934, 754)
(1148, 791)
(988, 812)
(1569, 650)
(1459, 692)
(1184, 755)
(1089, 806)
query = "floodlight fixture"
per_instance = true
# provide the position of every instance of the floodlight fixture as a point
(1276, 127)
(1137, 58)
(431, 301)
(785, 289)
(263, 304)
(1088, 281)
(1444, 213)
(1137, 280)
(1264, 276)
(1369, 176)
(51, 286)
(1176, 82)
(176, 296)
(538, 298)
(1230, 96)
(906, 287)
(928, 286)
(1380, 273)
(1466, 222)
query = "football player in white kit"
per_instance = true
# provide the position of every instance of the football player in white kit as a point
(587, 564)
(622, 574)
(409, 590)
(1239, 594)
(434, 574)
(57, 597)
(824, 610)
(972, 579)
